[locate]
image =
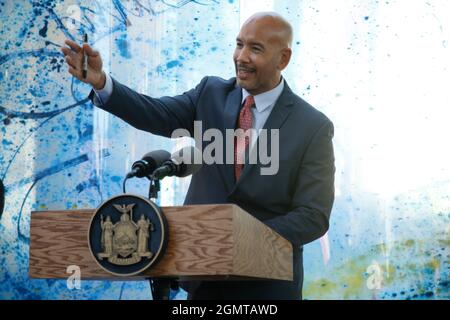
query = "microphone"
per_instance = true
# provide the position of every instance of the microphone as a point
(149, 162)
(181, 164)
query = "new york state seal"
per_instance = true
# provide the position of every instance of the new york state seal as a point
(127, 235)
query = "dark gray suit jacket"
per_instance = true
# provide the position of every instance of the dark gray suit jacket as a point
(296, 202)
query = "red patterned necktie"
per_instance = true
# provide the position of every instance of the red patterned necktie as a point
(244, 123)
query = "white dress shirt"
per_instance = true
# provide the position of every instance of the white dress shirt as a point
(264, 103)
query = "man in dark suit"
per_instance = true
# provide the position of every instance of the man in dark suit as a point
(297, 200)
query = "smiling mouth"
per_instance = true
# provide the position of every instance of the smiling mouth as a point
(243, 72)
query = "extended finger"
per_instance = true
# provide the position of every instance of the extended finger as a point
(75, 73)
(75, 47)
(67, 51)
(90, 52)
(71, 62)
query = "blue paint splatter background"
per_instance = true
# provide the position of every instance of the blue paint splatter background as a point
(379, 70)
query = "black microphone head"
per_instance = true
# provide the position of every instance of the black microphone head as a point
(188, 160)
(156, 158)
(149, 162)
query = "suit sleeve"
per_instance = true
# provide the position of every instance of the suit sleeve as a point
(159, 116)
(314, 195)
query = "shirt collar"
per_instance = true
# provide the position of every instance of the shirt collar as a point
(265, 99)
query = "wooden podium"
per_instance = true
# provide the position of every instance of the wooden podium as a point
(206, 242)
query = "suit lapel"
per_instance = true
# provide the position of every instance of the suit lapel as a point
(276, 119)
(232, 107)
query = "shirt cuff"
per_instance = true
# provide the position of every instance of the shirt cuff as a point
(102, 96)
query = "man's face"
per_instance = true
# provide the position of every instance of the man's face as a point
(258, 57)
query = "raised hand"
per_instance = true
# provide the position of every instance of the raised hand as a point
(74, 58)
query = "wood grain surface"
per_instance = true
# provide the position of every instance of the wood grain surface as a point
(205, 242)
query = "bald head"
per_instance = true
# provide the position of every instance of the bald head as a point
(275, 24)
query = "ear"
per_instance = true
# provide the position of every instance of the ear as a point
(285, 57)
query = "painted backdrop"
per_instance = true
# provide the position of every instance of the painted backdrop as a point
(378, 69)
